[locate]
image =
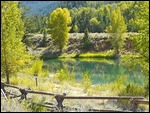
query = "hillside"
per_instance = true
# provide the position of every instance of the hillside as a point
(44, 7)
(41, 7)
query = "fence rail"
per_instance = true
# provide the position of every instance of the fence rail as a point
(95, 97)
(40, 92)
(134, 100)
(142, 102)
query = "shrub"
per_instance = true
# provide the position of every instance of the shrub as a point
(119, 84)
(37, 66)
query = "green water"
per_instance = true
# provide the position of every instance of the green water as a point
(101, 71)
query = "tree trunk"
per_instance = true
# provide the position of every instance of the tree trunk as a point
(6, 67)
(60, 48)
(7, 75)
(6, 71)
(116, 54)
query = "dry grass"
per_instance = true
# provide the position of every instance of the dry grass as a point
(70, 87)
(11, 105)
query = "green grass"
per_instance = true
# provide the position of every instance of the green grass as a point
(62, 75)
(65, 55)
(106, 54)
(96, 55)
(125, 56)
(108, 61)
(86, 81)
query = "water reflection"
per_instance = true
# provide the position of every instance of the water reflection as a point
(101, 71)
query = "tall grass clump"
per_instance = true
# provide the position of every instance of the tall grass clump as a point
(33, 107)
(119, 84)
(86, 81)
(12, 105)
(63, 75)
(22, 80)
(45, 73)
(133, 90)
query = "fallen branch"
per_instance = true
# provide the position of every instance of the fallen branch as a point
(4, 94)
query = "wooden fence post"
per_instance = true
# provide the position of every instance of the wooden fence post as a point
(2, 86)
(36, 75)
(59, 99)
(24, 94)
(134, 104)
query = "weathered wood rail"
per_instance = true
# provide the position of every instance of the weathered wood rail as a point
(134, 100)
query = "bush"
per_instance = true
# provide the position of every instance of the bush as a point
(63, 75)
(37, 67)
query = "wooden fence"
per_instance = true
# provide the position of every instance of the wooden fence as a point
(134, 100)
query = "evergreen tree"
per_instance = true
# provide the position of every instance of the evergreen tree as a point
(86, 40)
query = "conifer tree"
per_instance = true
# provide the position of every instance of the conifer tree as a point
(86, 40)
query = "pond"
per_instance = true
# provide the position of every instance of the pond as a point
(101, 71)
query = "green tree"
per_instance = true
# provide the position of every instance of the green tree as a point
(44, 37)
(59, 24)
(75, 28)
(94, 25)
(83, 18)
(86, 40)
(33, 24)
(44, 31)
(13, 51)
(116, 29)
(142, 40)
(103, 15)
(72, 4)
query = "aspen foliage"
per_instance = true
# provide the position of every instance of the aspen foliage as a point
(13, 51)
(59, 26)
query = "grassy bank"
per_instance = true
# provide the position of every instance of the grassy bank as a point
(106, 55)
